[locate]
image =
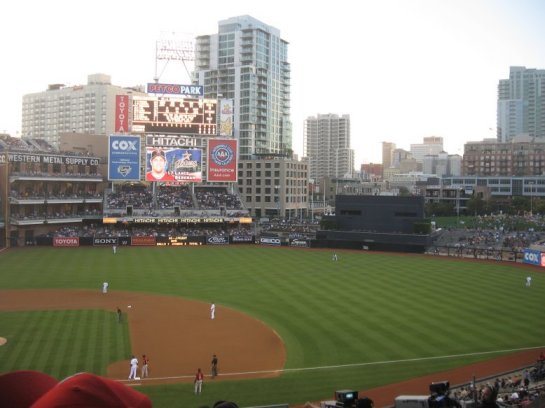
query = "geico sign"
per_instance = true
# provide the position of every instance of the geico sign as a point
(272, 241)
(124, 145)
(104, 241)
(532, 257)
(71, 241)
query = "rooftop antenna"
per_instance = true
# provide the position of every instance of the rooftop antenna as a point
(173, 47)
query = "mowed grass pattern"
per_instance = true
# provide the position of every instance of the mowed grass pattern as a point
(341, 321)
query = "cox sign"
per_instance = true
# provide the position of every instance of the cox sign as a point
(533, 257)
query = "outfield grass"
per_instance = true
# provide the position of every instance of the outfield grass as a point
(366, 320)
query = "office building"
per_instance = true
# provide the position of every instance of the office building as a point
(387, 154)
(521, 104)
(274, 186)
(327, 146)
(524, 156)
(88, 109)
(247, 61)
(430, 145)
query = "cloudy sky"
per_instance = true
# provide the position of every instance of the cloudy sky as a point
(402, 69)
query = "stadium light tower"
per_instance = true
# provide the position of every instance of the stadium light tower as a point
(173, 48)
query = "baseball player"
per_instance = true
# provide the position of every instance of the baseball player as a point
(114, 249)
(134, 368)
(528, 281)
(214, 366)
(145, 361)
(212, 311)
(199, 377)
(105, 287)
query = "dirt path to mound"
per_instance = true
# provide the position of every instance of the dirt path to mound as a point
(177, 334)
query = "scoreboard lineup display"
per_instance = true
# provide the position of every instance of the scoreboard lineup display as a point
(180, 241)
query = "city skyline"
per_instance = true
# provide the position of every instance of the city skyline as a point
(402, 70)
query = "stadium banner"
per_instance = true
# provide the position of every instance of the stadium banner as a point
(217, 240)
(173, 165)
(299, 243)
(66, 241)
(121, 113)
(270, 241)
(123, 158)
(175, 220)
(101, 241)
(159, 140)
(533, 257)
(222, 160)
(242, 239)
(226, 117)
(143, 241)
(52, 159)
(188, 116)
(175, 89)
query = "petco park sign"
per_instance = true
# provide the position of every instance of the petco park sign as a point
(174, 89)
(534, 257)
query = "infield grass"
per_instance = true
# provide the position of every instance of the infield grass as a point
(365, 320)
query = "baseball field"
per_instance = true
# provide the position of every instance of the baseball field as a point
(291, 325)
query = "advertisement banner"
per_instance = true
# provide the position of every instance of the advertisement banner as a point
(217, 240)
(98, 241)
(51, 159)
(226, 117)
(121, 113)
(174, 165)
(242, 239)
(299, 243)
(222, 160)
(533, 257)
(143, 241)
(270, 241)
(123, 158)
(66, 241)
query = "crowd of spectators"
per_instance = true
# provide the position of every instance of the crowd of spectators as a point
(98, 230)
(141, 197)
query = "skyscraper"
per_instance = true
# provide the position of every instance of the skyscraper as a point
(247, 61)
(521, 104)
(327, 146)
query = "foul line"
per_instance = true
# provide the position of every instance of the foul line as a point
(288, 370)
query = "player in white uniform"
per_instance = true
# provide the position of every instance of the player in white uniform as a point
(105, 287)
(528, 281)
(134, 368)
(212, 311)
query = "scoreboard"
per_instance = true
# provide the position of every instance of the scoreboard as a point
(181, 240)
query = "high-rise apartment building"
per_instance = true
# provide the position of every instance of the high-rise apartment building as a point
(247, 61)
(88, 109)
(521, 104)
(327, 146)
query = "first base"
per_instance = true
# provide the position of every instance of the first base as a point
(136, 378)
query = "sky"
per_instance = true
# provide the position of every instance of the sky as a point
(402, 69)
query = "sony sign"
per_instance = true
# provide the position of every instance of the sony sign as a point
(104, 241)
